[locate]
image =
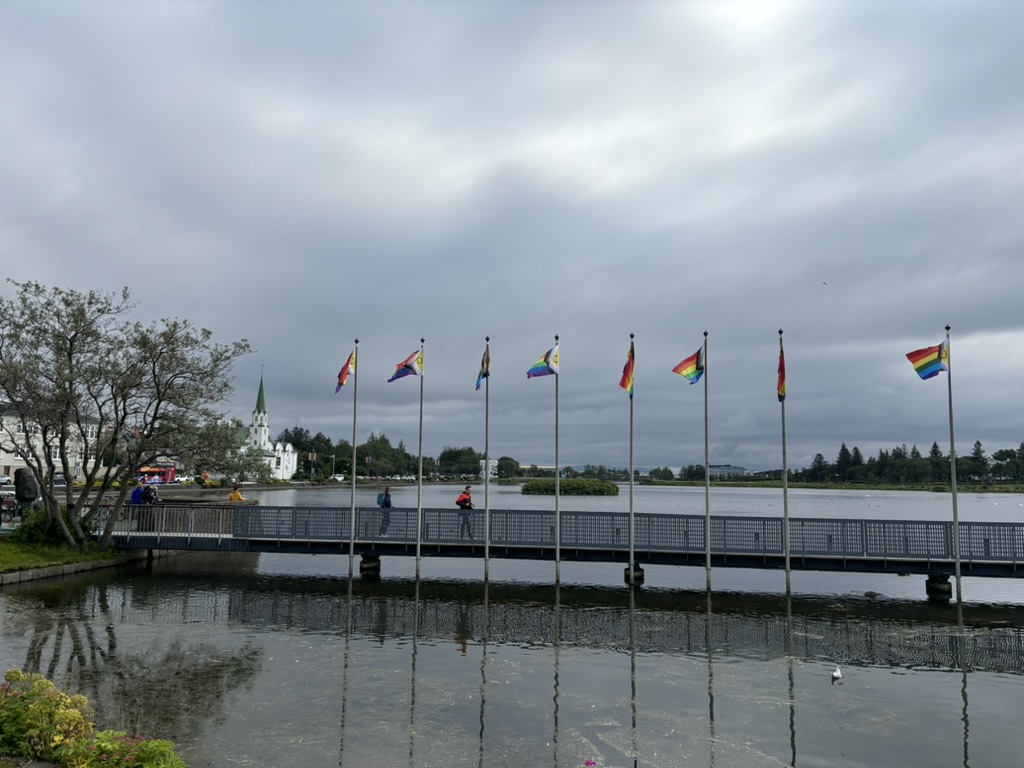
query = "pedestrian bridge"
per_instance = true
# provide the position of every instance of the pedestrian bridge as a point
(815, 544)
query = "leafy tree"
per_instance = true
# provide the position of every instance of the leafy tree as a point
(96, 392)
(459, 462)
(662, 473)
(508, 468)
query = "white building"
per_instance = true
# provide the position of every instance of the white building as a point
(280, 457)
(15, 435)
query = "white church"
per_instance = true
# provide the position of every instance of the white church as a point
(280, 457)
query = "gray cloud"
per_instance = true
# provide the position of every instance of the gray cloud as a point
(302, 175)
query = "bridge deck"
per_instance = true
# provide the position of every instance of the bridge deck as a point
(818, 544)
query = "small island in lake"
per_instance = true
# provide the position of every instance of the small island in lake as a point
(576, 486)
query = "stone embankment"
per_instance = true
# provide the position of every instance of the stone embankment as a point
(70, 569)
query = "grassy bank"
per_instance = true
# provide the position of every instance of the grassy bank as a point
(15, 556)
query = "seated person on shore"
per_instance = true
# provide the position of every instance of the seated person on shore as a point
(236, 494)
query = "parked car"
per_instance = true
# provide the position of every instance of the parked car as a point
(5, 480)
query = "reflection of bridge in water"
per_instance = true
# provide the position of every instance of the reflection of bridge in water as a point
(886, 634)
(172, 648)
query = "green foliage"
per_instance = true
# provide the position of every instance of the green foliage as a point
(580, 486)
(116, 749)
(40, 529)
(16, 556)
(459, 462)
(39, 721)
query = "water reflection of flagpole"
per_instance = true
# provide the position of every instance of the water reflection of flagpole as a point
(962, 653)
(632, 672)
(344, 672)
(412, 683)
(558, 635)
(792, 686)
(483, 669)
(709, 645)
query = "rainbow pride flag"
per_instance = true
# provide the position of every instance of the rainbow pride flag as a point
(485, 366)
(411, 366)
(626, 382)
(546, 366)
(781, 387)
(692, 368)
(930, 360)
(346, 370)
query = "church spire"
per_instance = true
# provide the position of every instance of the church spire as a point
(261, 402)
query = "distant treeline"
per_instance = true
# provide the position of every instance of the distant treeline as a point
(898, 466)
(377, 457)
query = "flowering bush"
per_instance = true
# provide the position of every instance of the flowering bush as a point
(36, 718)
(115, 749)
(39, 721)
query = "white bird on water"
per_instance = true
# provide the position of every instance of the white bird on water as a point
(837, 675)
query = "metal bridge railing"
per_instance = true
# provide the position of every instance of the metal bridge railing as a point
(809, 537)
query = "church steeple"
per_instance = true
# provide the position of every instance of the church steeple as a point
(259, 430)
(261, 402)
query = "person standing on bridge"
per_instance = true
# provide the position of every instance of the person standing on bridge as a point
(384, 502)
(465, 504)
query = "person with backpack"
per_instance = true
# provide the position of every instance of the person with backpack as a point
(465, 505)
(384, 502)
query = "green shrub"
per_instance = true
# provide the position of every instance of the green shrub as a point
(34, 529)
(577, 486)
(39, 721)
(116, 749)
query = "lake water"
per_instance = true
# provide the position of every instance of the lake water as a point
(275, 660)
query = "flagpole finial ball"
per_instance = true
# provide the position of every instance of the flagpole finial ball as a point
(780, 331)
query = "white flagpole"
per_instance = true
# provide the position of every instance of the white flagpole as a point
(419, 475)
(487, 460)
(352, 520)
(707, 472)
(558, 475)
(630, 569)
(952, 472)
(785, 480)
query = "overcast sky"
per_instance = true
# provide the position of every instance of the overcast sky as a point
(305, 174)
